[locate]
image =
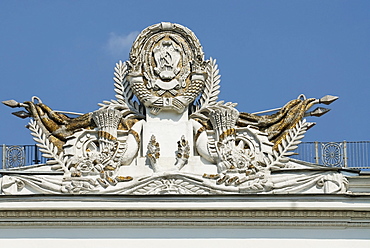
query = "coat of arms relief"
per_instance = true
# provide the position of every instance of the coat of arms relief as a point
(167, 133)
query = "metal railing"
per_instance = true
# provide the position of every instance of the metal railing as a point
(15, 156)
(355, 155)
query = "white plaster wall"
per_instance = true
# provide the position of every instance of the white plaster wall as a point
(183, 237)
(194, 243)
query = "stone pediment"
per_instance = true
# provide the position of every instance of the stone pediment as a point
(167, 133)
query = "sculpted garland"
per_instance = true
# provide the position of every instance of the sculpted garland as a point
(167, 133)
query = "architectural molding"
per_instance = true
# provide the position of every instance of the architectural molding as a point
(339, 211)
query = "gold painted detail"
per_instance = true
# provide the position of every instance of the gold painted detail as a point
(211, 176)
(136, 135)
(278, 124)
(106, 135)
(124, 179)
(199, 131)
(227, 133)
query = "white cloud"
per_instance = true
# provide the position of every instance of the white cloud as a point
(120, 44)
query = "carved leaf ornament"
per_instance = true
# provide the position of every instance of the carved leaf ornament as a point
(278, 159)
(58, 161)
(210, 94)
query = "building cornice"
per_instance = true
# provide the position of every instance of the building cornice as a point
(337, 211)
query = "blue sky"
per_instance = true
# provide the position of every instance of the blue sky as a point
(268, 53)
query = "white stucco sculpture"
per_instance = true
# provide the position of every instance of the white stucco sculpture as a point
(167, 133)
